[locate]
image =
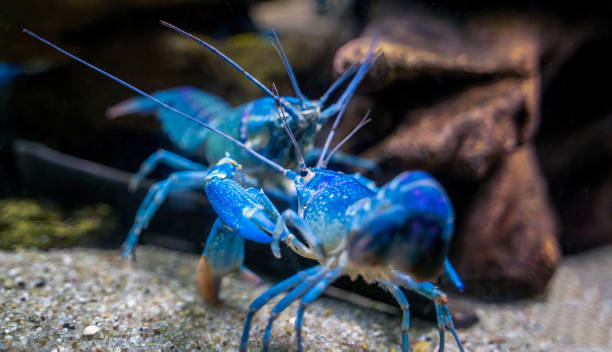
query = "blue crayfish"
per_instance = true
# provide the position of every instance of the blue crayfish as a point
(255, 123)
(396, 235)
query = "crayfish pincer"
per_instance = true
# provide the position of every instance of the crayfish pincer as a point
(396, 236)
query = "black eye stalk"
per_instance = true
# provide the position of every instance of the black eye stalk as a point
(304, 172)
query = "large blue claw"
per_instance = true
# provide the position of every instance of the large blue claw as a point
(238, 210)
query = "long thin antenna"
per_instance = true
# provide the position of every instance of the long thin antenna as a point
(250, 77)
(346, 96)
(337, 83)
(283, 118)
(364, 121)
(279, 50)
(271, 163)
(330, 136)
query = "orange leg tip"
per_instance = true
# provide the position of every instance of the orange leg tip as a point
(208, 286)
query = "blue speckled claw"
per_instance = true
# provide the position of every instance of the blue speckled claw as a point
(239, 211)
(220, 189)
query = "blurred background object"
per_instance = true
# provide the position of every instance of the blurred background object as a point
(28, 223)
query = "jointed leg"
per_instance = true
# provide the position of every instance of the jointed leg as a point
(399, 296)
(162, 157)
(157, 194)
(291, 297)
(449, 322)
(269, 295)
(309, 297)
(452, 275)
(438, 297)
(441, 329)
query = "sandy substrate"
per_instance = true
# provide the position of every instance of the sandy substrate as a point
(92, 300)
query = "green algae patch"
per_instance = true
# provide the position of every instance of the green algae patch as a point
(32, 223)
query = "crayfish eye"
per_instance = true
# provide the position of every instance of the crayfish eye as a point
(304, 172)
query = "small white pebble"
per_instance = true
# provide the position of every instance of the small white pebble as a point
(91, 330)
(66, 259)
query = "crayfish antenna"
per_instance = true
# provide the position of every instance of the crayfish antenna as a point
(283, 118)
(346, 96)
(337, 83)
(364, 121)
(279, 50)
(290, 174)
(250, 77)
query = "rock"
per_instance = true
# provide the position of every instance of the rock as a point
(491, 65)
(486, 69)
(416, 42)
(422, 346)
(91, 330)
(467, 133)
(7, 283)
(462, 99)
(508, 242)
